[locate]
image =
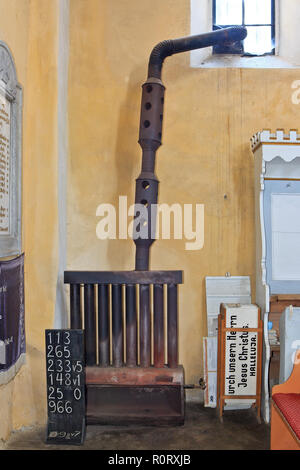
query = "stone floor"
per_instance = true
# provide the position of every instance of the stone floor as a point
(202, 431)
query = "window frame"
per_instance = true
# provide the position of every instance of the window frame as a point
(239, 49)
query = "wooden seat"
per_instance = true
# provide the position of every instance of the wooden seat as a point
(285, 411)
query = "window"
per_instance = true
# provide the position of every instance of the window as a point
(259, 18)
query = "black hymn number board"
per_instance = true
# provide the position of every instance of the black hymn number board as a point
(65, 386)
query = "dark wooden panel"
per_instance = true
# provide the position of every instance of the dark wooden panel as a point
(281, 305)
(155, 405)
(274, 369)
(285, 297)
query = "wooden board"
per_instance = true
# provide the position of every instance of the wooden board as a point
(65, 386)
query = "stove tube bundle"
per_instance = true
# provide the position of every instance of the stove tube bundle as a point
(130, 317)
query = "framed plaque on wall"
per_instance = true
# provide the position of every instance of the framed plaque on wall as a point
(10, 155)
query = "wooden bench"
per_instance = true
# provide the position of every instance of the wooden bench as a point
(285, 411)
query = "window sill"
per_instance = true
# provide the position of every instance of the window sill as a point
(235, 61)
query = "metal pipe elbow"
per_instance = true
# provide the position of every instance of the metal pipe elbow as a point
(174, 46)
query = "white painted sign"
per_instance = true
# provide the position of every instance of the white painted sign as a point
(241, 350)
(2, 352)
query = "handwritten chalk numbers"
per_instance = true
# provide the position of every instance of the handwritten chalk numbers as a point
(240, 332)
(65, 386)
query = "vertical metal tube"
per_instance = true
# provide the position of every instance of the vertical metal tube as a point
(145, 326)
(103, 325)
(90, 324)
(159, 334)
(131, 351)
(172, 326)
(75, 307)
(147, 182)
(117, 325)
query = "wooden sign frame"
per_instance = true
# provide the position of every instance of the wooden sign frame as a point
(65, 369)
(222, 331)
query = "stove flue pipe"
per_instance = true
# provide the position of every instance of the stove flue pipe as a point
(151, 132)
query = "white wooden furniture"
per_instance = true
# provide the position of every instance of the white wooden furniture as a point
(285, 414)
(277, 219)
(289, 327)
(220, 289)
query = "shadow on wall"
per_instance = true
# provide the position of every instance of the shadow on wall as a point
(127, 160)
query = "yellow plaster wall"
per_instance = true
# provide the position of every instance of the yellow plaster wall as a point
(29, 27)
(209, 118)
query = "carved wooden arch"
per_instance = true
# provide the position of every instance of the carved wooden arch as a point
(11, 92)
